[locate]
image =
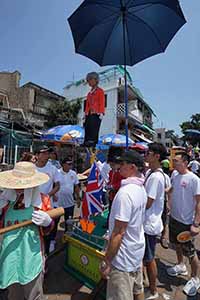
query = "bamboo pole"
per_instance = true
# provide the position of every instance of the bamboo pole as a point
(53, 213)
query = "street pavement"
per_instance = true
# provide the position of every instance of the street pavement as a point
(59, 285)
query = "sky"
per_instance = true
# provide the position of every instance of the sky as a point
(35, 39)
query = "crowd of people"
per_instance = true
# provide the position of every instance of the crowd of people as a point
(150, 204)
(146, 201)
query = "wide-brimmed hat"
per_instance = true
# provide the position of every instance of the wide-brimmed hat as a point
(23, 176)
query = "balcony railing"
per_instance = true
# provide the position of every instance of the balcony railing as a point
(40, 110)
(132, 105)
(133, 111)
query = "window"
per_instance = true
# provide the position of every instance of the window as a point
(140, 106)
(106, 100)
(159, 136)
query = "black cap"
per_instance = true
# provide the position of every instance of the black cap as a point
(67, 161)
(42, 149)
(132, 157)
(114, 153)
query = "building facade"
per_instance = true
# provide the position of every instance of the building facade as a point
(28, 103)
(112, 81)
(166, 137)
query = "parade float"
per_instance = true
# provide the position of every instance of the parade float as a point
(87, 236)
(85, 246)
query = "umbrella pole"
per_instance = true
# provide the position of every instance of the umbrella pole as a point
(125, 76)
(126, 106)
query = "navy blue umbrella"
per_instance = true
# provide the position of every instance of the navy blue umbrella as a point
(192, 132)
(124, 32)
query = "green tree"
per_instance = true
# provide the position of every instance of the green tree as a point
(63, 113)
(194, 123)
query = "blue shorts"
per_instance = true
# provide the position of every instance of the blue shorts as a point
(150, 248)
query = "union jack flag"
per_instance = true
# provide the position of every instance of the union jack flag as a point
(92, 201)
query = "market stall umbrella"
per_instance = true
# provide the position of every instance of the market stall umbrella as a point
(114, 140)
(64, 133)
(124, 32)
(140, 146)
(192, 132)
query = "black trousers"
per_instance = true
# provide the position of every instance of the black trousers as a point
(92, 126)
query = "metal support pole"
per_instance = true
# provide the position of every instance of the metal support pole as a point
(11, 144)
(16, 152)
(123, 9)
(4, 154)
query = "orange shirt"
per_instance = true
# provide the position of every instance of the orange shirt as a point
(95, 102)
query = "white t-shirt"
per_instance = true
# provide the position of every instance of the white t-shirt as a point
(155, 188)
(185, 187)
(54, 176)
(67, 183)
(129, 206)
(194, 165)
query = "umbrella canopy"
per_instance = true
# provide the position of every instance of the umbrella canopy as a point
(111, 31)
(192, 132)
(140, 146)
(64, 133)
(124, 32)
(114, 140)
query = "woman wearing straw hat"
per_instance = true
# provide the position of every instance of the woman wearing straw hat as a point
(21, 250)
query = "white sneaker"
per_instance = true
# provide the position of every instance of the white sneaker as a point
(52, 246)
(192, 286)
(150, 296)
(177, 270)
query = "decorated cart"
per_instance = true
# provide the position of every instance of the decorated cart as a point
(85, 249)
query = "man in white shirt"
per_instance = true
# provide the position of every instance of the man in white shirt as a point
(185, 216)
(69, 188)
(123, 259)
(194, 165)
(50, 188)
(44, 166)
(153, 226)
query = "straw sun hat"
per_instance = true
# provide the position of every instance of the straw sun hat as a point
(23, 176)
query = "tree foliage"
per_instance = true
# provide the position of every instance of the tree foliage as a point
(63, 113)
(194, 123)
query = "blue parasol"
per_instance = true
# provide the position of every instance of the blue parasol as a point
(64, 133)
(192, 132)
(113, 140)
